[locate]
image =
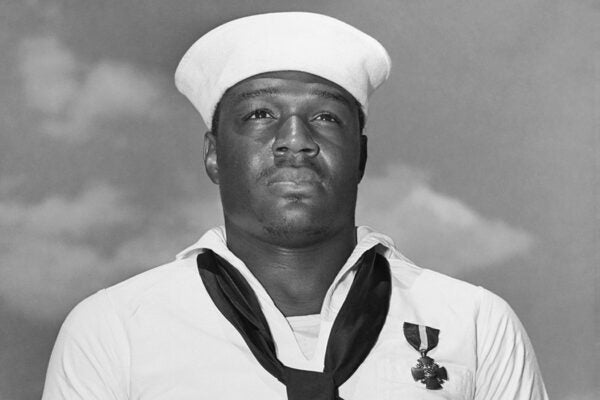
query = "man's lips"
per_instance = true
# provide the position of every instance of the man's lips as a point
(293, 176)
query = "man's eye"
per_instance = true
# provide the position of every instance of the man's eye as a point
(259, 114)
(327, 117)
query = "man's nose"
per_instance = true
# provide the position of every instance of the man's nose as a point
(293, 138)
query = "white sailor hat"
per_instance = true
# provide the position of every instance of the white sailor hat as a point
(288, 41)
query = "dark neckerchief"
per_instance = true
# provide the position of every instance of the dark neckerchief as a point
(353, 335)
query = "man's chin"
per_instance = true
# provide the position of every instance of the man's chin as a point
(293, 232)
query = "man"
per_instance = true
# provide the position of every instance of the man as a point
(290, 299)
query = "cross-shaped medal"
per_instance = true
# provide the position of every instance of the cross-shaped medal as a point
(423, 338)
(428, 372)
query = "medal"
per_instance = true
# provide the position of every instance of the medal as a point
(423, 338)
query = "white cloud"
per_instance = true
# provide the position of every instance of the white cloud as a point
(435, 230)
(43, 277)
(45, 270)
(50, 74)
(97, 208)
(72, 95)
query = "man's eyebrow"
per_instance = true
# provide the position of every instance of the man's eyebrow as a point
(330, 95)
(268, 91)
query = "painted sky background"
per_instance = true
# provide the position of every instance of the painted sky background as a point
(484, 158)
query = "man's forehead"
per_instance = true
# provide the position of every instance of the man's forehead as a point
(279, 82)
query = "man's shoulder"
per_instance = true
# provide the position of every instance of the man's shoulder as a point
(429, 289)
(440, 282)
(458, 291)
(152, 278)
(416, 280)
(413, 277)
(154, 285)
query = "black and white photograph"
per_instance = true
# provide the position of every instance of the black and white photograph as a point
(284, 200)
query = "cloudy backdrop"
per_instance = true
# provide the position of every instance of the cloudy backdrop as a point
(483, 158)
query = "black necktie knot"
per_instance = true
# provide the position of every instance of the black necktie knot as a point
(302, 385)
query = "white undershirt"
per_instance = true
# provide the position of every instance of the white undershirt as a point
(306, 332)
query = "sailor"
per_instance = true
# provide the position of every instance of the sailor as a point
(289, 299)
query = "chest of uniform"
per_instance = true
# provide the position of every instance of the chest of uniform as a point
(200, 364)
(199, 355)
(219, 365)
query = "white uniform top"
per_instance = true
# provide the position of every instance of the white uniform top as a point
(159, 336)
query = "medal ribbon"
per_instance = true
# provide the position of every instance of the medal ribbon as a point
(422, 338)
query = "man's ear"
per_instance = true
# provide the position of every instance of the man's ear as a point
(210, 157)
(363, 156)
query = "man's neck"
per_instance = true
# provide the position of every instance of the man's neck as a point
(296, 278)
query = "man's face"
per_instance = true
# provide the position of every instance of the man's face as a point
(288, 156)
